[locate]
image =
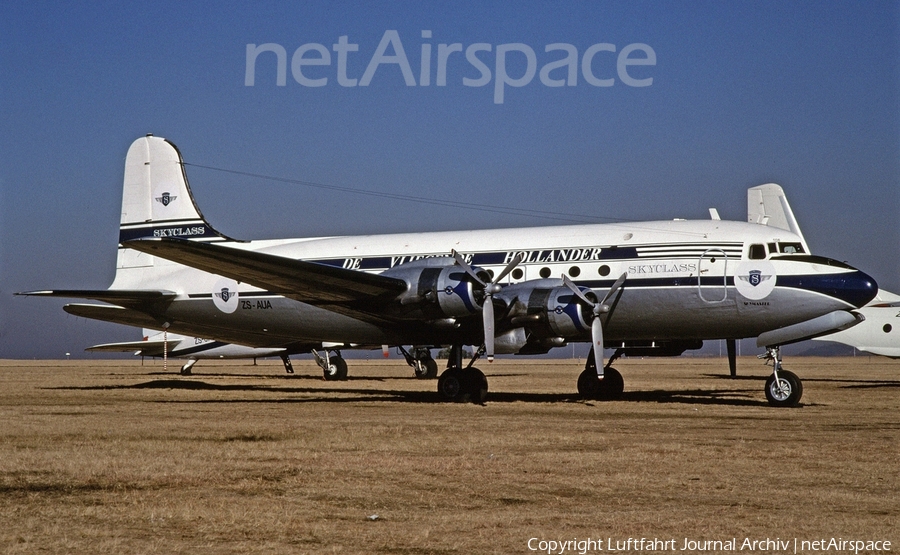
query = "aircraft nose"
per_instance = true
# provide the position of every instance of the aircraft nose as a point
(856, 288)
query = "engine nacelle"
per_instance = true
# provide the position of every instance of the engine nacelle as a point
(440, 288)
(548, 309)
(567, 314)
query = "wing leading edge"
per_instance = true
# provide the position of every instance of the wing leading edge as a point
(350, 292)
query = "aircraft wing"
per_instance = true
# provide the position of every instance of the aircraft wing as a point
(308, 282)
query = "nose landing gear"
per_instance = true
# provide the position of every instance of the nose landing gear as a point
(783, 387)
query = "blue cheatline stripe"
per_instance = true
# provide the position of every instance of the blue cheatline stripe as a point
(817, 283)
(568, 255)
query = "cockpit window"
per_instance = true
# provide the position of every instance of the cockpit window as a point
(790, 248)
(786, 248)
(757, 252)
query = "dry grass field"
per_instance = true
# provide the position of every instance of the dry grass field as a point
(121, 457)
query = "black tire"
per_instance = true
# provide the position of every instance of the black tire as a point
(589, 384)
(428, 370)
(337, 371)
(477, 383)
(609, 388)
(786, 392)
(453, 386)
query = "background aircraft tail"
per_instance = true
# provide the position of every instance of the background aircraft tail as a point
(768, 205)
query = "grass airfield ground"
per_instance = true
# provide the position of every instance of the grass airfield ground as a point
(120, 457)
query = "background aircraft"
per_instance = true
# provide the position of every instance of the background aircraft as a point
(646, 287)
(163, 344)
(879, 333)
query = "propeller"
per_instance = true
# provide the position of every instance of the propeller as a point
(598, 308)
(490, 288)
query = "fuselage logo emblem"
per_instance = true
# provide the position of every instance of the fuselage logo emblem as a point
(755, 280)
(755, 277)
(225, 295)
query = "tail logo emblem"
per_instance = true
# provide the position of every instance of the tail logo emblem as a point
(166, 198)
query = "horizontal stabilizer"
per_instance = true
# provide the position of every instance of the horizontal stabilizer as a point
(308, 282)
(112, 296)
(114, 314)
(828, 323)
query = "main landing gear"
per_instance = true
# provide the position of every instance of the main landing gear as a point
(334, 367)
(288, 367)
(606, 385)
(420, 359)
(462, 384)
(186, 369)
(783, 388)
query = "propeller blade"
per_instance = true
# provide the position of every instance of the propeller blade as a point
(509, 268)
(597, 340)
(614, 288)
(488, 313)
(578, 292)
(462, 262)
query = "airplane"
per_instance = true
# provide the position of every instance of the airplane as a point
(879, 333)
(644, 288)
(164, 345)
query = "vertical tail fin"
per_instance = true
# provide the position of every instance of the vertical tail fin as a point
(156, 197)
(157, 200)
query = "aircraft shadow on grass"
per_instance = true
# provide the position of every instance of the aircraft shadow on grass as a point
(345, 395)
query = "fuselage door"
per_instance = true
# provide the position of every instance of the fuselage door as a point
(712, 277)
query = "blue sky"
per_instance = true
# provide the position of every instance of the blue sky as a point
(804, 94)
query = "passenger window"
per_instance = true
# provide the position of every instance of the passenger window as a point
(757, 252)
(545, 272)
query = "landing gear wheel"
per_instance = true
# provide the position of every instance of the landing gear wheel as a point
(336, 370)
(453, 386)
(477, 384)
(784, 392)
(610, 388)
(426, 369)
(463, 385)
